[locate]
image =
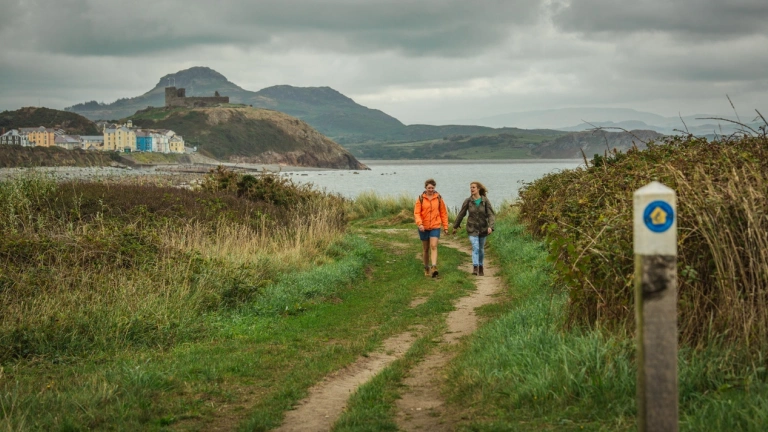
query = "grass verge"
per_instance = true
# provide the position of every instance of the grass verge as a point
(251, 363)
(372, 406)
(521, 371)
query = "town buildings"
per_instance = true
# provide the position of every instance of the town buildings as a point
(119, 138)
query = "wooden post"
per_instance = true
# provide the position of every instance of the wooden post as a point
(655, 244)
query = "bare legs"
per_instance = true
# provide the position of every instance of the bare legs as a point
(429, 250)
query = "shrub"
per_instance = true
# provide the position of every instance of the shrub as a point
(585, 216)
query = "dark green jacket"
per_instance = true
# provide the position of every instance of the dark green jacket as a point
(479, 217)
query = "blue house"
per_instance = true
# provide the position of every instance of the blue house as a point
(143, 141)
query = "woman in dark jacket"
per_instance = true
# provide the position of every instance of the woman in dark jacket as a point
(480, 220)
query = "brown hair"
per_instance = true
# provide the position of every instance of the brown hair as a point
(430, 182)
(481, 189)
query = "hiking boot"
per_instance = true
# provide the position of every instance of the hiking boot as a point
(474, 270)
(434, 271)
(480, 271)
(427, 273)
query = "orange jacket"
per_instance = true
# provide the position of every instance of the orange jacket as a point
(431, 212)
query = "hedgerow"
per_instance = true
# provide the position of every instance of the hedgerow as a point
(585, 217)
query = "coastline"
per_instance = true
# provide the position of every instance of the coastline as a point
(370, 162)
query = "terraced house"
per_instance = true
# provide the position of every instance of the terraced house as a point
(119, 138)
(144, 141)
(40, 136)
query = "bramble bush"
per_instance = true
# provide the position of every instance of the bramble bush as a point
(585, 217)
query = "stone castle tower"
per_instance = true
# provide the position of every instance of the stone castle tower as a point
(178, 98)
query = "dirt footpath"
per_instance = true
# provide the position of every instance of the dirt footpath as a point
(421, 407)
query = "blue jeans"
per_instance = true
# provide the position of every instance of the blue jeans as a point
(478, 249)
(426, 234)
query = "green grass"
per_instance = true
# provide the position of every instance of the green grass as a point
(248, 353)
(372, 406)
(157, 158)
(253, 362)
(238, 136)
(371, 207)
(154, 113)
(522, 371)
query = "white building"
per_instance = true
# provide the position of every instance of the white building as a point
(160, 141)
(68, 142)
(14, 137)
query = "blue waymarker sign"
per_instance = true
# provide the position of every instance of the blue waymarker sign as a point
(658, 216)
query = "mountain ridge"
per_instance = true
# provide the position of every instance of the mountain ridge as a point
(327, 110)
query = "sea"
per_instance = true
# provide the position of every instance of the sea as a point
(503, 178)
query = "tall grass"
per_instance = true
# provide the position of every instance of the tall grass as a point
(523, 371)
(370, 205)
(389, 209)
(585, 217)
(730, 219)
(88, 268)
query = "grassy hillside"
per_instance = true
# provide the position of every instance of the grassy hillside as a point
(589, 143)
(511, 144)
(17, 156)
(239, 136)
(72, 123)
(241, 133)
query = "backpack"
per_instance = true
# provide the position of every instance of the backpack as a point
(439, 199)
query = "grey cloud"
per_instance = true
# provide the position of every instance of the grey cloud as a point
(110, 27)
(707, 19)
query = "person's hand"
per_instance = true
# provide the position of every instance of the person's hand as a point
(421, 227)
(454, 231)
(490, 230)
(445, 231)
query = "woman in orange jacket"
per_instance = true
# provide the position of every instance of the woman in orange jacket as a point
(430, 213)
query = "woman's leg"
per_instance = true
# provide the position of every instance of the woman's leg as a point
(425, 251)
(433, 249)
(475, 242)
(480, 250)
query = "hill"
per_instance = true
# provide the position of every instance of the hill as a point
(249, 135)
(72, 123)
(325, 109)
(485, 143)
(594, 142)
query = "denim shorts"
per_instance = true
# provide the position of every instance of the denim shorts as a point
(426, 234)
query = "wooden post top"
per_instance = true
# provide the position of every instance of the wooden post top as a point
(655, 220)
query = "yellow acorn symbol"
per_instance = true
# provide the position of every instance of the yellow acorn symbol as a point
(659, 216)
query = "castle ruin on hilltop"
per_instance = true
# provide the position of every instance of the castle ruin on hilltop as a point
(178, 98)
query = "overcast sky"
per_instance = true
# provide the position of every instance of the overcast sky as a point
(422, 61)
